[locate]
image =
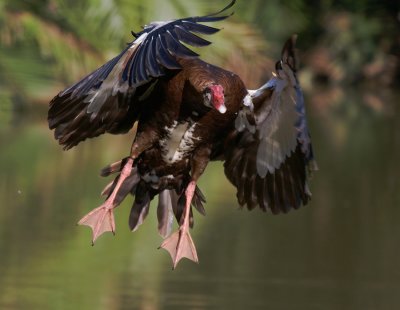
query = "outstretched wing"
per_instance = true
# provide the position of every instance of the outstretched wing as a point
(270, 155)
(108, 99)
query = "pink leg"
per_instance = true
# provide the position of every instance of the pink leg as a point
(101, 219)
(180, 243)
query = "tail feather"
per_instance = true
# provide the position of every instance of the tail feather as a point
(164, 213)
(126, 187)
(107, 189)
(179, 201)
(140, 207)
(178, 210)
(113, 168)
(198, 200)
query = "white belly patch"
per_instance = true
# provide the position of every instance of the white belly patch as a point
(178, 141)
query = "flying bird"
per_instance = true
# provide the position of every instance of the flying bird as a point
(187, 113)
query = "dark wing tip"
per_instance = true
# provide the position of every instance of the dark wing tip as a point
(289, 54)
(170, 37)
(231, 4)
(281, 191)
(213, 17)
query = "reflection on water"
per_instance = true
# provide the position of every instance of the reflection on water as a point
(340, 252)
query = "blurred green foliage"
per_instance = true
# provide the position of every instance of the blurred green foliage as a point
(47, 44)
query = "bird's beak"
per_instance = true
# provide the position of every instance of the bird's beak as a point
(216, 98)
(221, 108)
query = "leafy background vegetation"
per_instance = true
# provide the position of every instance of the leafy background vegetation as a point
(47, 44)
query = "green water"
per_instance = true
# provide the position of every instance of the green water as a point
(339, 252)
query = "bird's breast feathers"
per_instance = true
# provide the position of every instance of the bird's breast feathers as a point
(179, 140)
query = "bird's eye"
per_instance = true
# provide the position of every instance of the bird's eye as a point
(207, 98)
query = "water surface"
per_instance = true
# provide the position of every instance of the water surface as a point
(339, 252)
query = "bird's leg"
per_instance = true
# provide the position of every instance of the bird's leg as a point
(180, 243)
(101, 219)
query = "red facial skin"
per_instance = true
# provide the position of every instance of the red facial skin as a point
(218, 98)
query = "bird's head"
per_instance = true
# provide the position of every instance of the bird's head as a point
(214, 97)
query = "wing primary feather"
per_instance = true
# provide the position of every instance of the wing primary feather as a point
(199, 28)
(61, 113)
(224, 9)
(212, 17)
(268, 199)
(153, 68)
(176, 48)
(281, 193)
(294, 201)
(269, 189)
(249, 188)
(259, 187)
(208, 19)
(137, 73)
(163, 56)
(242, 181)
(299, 174)
(276, 191)
(93, 79)
(127, 69)
(189, 38)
